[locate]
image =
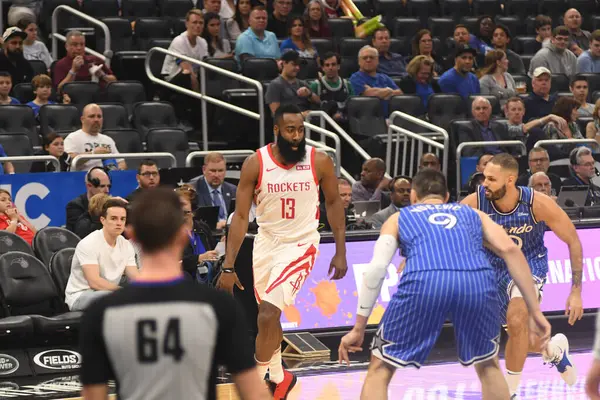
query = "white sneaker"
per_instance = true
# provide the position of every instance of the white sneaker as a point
(562, 361)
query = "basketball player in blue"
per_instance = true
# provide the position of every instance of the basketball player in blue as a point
(524, 215)
(447, 274)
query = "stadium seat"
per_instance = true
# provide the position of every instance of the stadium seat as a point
(470, 22)
(237, 128)
(39, 67)
(151, 115)
(422, 9)
(513, 23)
(18, 145)
(552, 8)
(101, 8)
(51, 239)
(82, 93)
(64, 18)
(60, 267)
(114, 116)
(19, 119)
(129, 66)
(350, 46)
(525, 45)
(408, 104)
(365, 116)
(127, 141)
(23, 92)
(216, 83)
(453, 132)
(170, 140)
(496, 109)
(389, 10)
(13, 242)
(341, 27)
(178, 26)
(441, 26)
(127, 93)
(560, 83)
(401, 45)
(260, 69)
(148, 28)
(443, 108)
(121, 35)
(486, 7)
(522, 8)
(349, 66)
(16, 326)
(322, 45)
(583, 121)
(28, 289)
(60, 118)
(132, 9)
(175, 8)
(308, 69)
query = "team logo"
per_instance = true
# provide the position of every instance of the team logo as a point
(302, 167)
(8, 364)
(7, 240)
(58, 359)
(21, 262)
(61, 237)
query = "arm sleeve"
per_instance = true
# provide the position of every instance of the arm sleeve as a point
(391, 84)
(234, 349)
(95, 368)
(584, 64)
(445, 84)
(242, 46)
(61, 69)
(130, 262)
(86, 253)
(358, 86)
(70, 145)
(273, 94)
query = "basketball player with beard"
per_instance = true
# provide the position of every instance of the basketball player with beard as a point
(525, 214)
(286, 176)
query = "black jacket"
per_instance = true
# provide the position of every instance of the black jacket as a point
(190, 260)
(75, 209)
(409, 85)
(86, 224)
(47, 166)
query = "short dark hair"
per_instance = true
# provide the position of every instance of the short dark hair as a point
(147, 162)
(330, 54)
(542, 20)
(49, 138)
(564, 106)
(505, 29)
(429, 182)
(5, 74)
(156, 217)
(483, 155)
(596, 35)
(23, 23)
(560, 30)
(578, 78)
(113, 203)
(506, 161)
(285, 109)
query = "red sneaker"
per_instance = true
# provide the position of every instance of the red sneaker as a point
(285, 387)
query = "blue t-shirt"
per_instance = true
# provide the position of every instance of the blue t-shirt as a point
(288, 45)
(465, 85)
(2, 154)
(424, 91)
(249, 43)
(13, 101)
(359, 79)
(36, 108)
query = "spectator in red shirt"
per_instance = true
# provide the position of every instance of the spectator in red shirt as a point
(77, 66)
(12, 221)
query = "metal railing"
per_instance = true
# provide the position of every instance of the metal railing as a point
(125, 156)
(328, 150)
(52, 159)
(420, 138)
(499, 143)
(237, 155)
(260, 116)
(542, 143)
(106, 56)
(325, 133)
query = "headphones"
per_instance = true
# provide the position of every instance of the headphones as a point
(95, 182)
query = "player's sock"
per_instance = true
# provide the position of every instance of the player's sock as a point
(275, 367)
(513, 379)
(262, 367)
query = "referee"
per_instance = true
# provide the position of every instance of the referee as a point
(162, 337)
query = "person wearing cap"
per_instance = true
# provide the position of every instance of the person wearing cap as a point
(556, 56)
(12, 59)
(539, 103)
(256, 41)
(460, 79)
(287, 89)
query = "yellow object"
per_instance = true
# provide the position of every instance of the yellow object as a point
(368, 27)
(354, 11)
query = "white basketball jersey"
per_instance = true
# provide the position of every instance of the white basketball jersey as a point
(288, 197)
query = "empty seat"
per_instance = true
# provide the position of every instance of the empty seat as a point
(341, 27)
(170, 140)
(132, 9)
(261, 69)
(365, 116)
(61, 118)
(19, 119)
(175, 8)
(441, 26)
(121, 35)
(349, 66)
(148, 28)
(114, 116)
(552, 8)
(13, 242)
(486, 7)
(127, 93)
(513, 23)
(216, 83)
(522, 8)
(158, 59)
(470, 22)
(349, 47)
(51, 239)
(389, 9)
(408, 104)
(23, 92)
(19, 325)
(526, 45)
(408, 27)
(323, 45)
(309, 69)
(422, 9)
(60, 267)
(443, 108)
(101, 8)
(401, 45)
(18, 145)
(178, 26)
(151, 115)
(129, 66)
(560, 83)
(39, 67)
(455, 8)
(127, 141)
(82, 93)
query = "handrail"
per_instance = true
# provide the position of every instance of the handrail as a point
(225, 153)
(53, 159)
(260, 116)
(325, 132)
(503, 143)
(420, 138)
(325, 148)
(126, 156)
(323, 115)
(106, 56)
(541, 143)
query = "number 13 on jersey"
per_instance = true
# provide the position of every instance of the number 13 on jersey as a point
(288, 208)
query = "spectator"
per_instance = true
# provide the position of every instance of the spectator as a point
(213, 190)
(89, 221)
(584, 169)
(256, 41)
(579, 40)
(148, 177)
(482, 41)
(481, 128)
(539, 103)
(541, 183)
(482, 161)
(543, 30)
(345, 191)
(100, 259)
(399, 196)
(460, 79)
(419, 80)
(529, 132)
(501, 39)
(5, 88)
(495, 79)
(96, 181)
(589, 60)
(298, 39)
(7, 166)
(580, 88)
(42, 88)
(592, 130)
(430, 160)
(214, 6)
(287, 89)
(278, 20)
(333, 90)
(390, 64)
(218, 47)
(77, 66)
(372, 181)
(477, 177)
(316, 21)
(12, 59)
(462, 36)
(539, 161)
(89, 140)
(422, 45)
(556, 57)
(566, 108)
(332, 8)
(368, 82)
(34, 49)
(240, 21)
(12, 221)
(54, 145)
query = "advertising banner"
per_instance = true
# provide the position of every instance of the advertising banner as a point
(52, 361)
(323, 303)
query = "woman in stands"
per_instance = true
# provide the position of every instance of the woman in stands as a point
(419, 80)
(495, 79)
(592, 130)
(422, 45)
(566, 108)
(42, 88)
(298, 40)
(218, 47)
(239, 23)
(316, 21)
(34, 49)
(54, 145)
(13, 222)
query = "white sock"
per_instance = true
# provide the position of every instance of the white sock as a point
(275, 367)
(513, 379)
(262, 367)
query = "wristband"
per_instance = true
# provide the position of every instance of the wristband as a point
(72, 73)
(228, 270)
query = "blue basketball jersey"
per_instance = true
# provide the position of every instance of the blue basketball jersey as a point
(523, 229)
(441, 237)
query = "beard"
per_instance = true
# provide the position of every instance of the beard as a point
(497, 195)
(290, 155)
(14, 54)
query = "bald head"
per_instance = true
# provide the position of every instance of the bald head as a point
(372, 172)
(481, 109)
(96, 181)
(91, 119)
(572, 19)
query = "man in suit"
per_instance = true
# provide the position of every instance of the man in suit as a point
(481, 129)
(400, 196)
(213, 190)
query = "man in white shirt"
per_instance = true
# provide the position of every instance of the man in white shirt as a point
(100, 259)
(89, 140)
